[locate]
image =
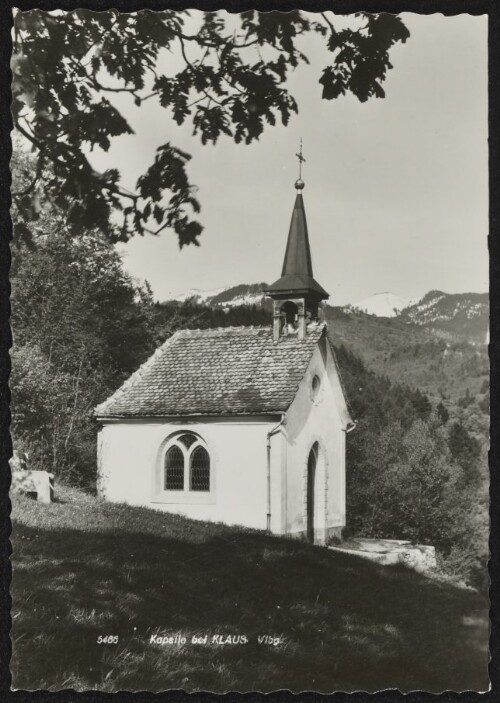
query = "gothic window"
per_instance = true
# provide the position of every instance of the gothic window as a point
(200, 470)
(186, 464)
(174, 469)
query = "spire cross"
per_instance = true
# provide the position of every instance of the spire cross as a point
(301, 159)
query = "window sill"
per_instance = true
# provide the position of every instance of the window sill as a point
(185, 498)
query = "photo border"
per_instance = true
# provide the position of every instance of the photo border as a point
(445, 7)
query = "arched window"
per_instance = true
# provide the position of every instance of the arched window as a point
(200, 469)
(174, 469)
(186, 464)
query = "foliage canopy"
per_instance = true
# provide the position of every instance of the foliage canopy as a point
(231, 80)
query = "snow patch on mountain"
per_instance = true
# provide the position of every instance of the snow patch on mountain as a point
(383, 304)
(463, 315)
(227, 297)
(437, 306)
(196, 294)
(249, 299)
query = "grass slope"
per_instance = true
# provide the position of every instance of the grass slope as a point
(83, 568)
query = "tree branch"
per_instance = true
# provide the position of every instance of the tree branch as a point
(323, 15)
(108, 89)
(97, 177)
(193, 69)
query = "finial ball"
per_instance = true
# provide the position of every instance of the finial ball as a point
(299, 184)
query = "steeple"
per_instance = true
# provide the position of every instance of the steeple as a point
(296, 294)
(297, 272)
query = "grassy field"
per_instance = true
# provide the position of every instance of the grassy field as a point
(84, 569)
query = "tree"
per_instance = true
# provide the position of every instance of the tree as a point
(231, 81)
(75, 302)
(484, 403)
(81, 326)
(410, 476)
(422, 405)
(464, 448)
(465, 400)
(404, 484)
(42, 413)
(443, 413)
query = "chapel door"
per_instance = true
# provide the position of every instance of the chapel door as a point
(311, 479)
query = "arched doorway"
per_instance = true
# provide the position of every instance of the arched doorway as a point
(312, 462)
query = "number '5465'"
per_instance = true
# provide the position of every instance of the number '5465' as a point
(107, 639)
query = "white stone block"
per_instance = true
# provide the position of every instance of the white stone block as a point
(39, 482)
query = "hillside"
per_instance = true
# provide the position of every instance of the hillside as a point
(412, 354)
(83, 569)
(462, 315)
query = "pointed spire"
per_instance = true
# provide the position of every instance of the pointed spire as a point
(297, 259)
(297, 272)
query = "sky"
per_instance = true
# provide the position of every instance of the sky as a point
(396, 192)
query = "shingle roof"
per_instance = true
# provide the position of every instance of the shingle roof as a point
(230, 371)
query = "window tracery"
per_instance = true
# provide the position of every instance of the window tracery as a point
(186, 464)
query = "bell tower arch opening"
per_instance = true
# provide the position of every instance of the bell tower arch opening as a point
(289, 314)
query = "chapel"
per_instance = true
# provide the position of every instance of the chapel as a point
(241, 425)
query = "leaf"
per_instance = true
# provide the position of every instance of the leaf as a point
(333, 84)
(158, 214)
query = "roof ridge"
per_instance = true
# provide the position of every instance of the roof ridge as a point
(228, 328)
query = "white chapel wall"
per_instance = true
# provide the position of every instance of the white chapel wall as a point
(321, 420)
(130, 466)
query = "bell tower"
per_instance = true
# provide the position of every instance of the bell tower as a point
(296, 295)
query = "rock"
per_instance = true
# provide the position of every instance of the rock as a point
(391, 551)
(28, 482)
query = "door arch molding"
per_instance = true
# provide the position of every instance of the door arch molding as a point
(315, 498)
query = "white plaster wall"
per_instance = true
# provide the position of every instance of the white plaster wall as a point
(323, 420)
(278, 484)
(130, 466)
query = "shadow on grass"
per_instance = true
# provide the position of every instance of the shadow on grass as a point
(344, 623)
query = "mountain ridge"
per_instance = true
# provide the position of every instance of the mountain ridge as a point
(453, 316)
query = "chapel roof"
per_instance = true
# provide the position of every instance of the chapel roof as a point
(224, 371)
